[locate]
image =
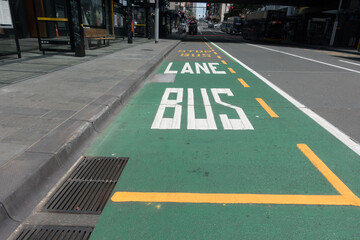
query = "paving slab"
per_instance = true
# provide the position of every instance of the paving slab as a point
(8, 77)
(7, 131)
(9, 150)
(61, 114)
(29, 67)
(25, 136)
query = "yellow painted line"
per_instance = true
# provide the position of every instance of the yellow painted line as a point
(140, 25)
(243, 82)
(215, 53)
(329, 175)
(223, 62)
(228, 198)
(346, 198)
(218, 57)
(267, 108)
(52, 19)
(231, 70)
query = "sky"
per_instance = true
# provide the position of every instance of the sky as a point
(200, 10)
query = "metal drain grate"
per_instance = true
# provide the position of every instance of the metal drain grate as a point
(99, 168)
(55, 232)
(89, 187)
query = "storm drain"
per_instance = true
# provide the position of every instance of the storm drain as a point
(55, 232)
(89, 187)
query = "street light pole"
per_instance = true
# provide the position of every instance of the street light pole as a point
(157, 22)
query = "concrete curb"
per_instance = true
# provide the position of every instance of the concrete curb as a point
(57, 151)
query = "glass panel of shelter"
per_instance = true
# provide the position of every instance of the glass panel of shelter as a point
(52, 23)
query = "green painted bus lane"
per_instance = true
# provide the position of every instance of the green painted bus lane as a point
(263, 159)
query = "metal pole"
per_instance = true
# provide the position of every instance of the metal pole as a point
(76, 27)
(129, 20)
(37, 27)
(157, 22)
(148, 11)
(335, 25)
(12, 12)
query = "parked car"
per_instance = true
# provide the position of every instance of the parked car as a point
(193, 27)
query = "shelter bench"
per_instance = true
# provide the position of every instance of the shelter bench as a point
(97, 34)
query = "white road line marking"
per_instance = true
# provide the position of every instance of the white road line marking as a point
(321, 121)
(207, 123)
(160, 122)
(242, 123)
(357, 64)
(323, 72)
(305, 58)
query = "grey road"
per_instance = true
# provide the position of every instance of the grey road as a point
(327, 82)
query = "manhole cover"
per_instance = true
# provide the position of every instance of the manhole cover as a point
(88, 188)
(55, 232)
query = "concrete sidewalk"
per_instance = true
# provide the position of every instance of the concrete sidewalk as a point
(47, 121)
(33, 63)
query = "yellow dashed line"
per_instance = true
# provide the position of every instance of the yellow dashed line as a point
(223, 62)
(231, 70)
(215, 53)
(218, 57)
(243, 82)
(267, 108)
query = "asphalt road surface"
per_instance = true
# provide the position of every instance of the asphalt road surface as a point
(327, 82)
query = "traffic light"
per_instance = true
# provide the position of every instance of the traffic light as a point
(207, 6)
